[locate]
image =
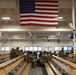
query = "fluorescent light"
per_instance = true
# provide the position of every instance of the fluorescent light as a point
(30, 34)
(6, 18)
(52, 36)
(60, 18)
(71, 25)
(15, 36)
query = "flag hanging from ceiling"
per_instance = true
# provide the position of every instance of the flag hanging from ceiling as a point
(39, 12)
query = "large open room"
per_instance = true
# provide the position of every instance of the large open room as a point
(45, 28)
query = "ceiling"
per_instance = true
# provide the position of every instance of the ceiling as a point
(11, 28)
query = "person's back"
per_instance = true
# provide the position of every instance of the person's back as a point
(71, 51)
(31, 58)
(40, 54)
(12, 53)
(17, 52)
(55, 53)
(62, 52)
(21, 52)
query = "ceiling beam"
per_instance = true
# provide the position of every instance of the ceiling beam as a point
(6, 34)
(38, 30)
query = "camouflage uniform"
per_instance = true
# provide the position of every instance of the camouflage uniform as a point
(31, 59)
(14, 53)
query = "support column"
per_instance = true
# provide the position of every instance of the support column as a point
(0, 39)
(73, 21)
(74, 43)
(0, 36)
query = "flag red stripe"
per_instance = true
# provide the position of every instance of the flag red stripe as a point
(39, 20)
(53, 1)
(38, 16)
(52, 9)
(39, 25)
(47, 13)
(47, 5)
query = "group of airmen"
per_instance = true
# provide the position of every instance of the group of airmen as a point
(36, 58)
(64, 54)
(15, 52)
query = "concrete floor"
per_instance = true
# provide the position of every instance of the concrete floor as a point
(37, 71)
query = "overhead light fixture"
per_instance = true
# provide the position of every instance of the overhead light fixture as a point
(58, 34)
(42, 38)
(71, 25)
(60, 18)
(6, 18)
(52, 36)
(15, 36)
(30, 34)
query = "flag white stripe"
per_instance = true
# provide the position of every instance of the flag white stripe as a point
(43, 3)
(38, 15)
(34, 22)
(46, 11)
(46, 7)
(34, 18)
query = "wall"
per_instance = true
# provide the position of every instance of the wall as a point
(45, 44)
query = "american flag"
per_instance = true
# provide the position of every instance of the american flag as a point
(39, 12)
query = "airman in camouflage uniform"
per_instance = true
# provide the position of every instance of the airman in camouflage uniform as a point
(31, 58)
(14, 52)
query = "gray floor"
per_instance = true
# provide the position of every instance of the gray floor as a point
(36, 71)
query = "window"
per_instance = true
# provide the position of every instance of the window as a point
(56, 48)
(61, 47)
(65, 48)
(69, 48)
(35, 48)
(39, 48)
(5, 48)
(26, 48)
(30, 48)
